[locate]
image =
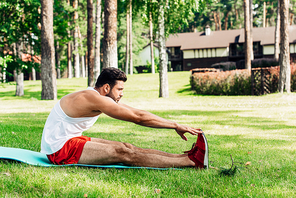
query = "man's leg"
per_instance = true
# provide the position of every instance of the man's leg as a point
(101, 152)
(132, 147)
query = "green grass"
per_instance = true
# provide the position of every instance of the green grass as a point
(259, 129)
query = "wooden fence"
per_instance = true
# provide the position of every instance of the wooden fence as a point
(260, 81)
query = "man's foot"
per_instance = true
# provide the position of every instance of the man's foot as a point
(199, 154)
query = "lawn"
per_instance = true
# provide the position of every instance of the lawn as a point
(260, 130)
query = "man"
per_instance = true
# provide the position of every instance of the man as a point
(63, 142)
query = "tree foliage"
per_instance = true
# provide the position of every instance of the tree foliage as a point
(19, 21)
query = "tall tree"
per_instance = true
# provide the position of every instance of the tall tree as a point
(151, 42)
(264, 14)
(69, 52)
(19, 73)
(285, 69)
(18, 24)
(48, 74)
(58, 62)
(251, 28)
(61, 23)
(97, 66)
(76, 43)
(127, 41)
(248, 40)
(170, 17)
(83, 68)
(277, 33)
(90, 47)
(131, 37)
(163, 77)
(110, 58)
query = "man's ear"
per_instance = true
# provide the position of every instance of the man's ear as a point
(106, 88)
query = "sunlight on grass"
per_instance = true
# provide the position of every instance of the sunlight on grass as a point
(258, 129)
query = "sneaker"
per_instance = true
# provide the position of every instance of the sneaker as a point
(199, 154)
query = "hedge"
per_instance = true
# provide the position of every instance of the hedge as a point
(235, 82)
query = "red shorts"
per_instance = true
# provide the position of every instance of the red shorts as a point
(71, 151)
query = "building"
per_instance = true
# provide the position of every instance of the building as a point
(144, 57)
(202, 49)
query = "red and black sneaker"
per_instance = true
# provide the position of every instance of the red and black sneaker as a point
(199, 154)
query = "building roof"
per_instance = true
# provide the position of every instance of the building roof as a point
(219, 39)
(266, 35)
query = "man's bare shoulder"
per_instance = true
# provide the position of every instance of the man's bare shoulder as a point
(82, 103)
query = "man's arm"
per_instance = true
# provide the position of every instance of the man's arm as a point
(158, 122)
(124, 112)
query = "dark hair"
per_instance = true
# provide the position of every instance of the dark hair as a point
(109, 76)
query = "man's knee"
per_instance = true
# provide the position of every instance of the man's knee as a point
(128, 145)
(124, 152)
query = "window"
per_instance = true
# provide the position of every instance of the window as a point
(237, 49)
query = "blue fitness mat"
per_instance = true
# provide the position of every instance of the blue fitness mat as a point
(39, 159)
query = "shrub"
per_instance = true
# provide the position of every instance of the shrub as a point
(240, 64)
(235, 82)
(225, 66)
(274, 78)
(293, 77)
(264, 62)
(260, 62)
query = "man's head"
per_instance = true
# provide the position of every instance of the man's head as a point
(110, 76)
(111, 82)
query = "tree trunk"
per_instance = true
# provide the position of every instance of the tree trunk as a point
(97, 67)
(48, 74)
(216, 21)
(151, 43)
(291, 18)
(58, 62)
(33, 69)
(83, 70)
(69, 60)
(163, 76)
(219, 21)
(247, 36)
(69, 52)
(226, 21)
(19, 83)
(1, 75)
(19, 77)
(264, 14)
(110, 35)
(131, 39)
(76, 43)
(90, 46)
(277, 33)
(14, 75)
(86, 63)
(33, 74)
(4, 74)
(127, 41)
(251, 29)
(285, 69)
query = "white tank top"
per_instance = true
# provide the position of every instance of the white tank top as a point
(59, 128)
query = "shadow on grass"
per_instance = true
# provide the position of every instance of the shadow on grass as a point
(186, 90)
(226, 118)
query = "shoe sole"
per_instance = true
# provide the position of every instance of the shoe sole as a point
(206, 157)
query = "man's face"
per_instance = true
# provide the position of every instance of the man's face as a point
(116, 92)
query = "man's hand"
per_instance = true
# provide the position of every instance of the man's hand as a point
(182, 129)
